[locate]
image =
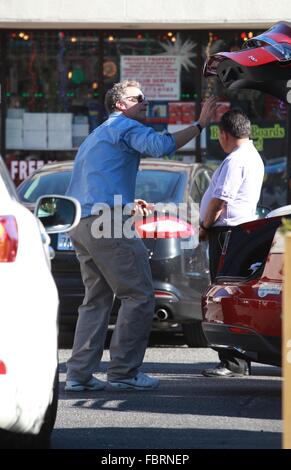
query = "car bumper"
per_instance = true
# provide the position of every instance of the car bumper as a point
(172, 306)
(248, 342)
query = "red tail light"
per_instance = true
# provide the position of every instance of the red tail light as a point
(8, 239)
(163, 227)
(3, 369)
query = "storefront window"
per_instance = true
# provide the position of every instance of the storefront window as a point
(52, 96)
(56, 80)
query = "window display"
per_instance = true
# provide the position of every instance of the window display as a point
(56, 80)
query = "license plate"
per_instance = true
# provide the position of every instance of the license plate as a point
(64, 242)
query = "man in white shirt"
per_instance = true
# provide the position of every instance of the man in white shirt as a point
(231, 199)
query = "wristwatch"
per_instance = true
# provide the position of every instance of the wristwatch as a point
(197, 124)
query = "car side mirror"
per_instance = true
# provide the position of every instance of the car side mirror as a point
(58, 214)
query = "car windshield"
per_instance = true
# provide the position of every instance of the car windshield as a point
(157, 186)
(151, 185)
(44, 183)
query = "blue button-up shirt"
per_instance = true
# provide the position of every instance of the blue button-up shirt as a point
(107, 161)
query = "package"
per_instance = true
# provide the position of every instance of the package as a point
(35, 121)
(15, 113)
(14, 123)
(14, 138)
(60, 121)
(80, 130)
(58, 140)
(35, 139)
(80, 119)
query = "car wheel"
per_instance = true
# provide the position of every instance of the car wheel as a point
(194, 335)
(12, 440)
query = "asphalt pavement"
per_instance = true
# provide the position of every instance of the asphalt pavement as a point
(187, 411)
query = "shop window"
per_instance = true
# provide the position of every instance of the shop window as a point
(52, 96)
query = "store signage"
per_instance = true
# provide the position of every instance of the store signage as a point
(269, 139)
(22, 169)
(159, 75)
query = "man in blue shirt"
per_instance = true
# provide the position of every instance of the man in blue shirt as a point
(105, 167)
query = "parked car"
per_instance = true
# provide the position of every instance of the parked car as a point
(242, 308)
(28, 319)
(180, 275)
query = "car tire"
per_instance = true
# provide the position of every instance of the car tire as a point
(194, 335)
(12, 440)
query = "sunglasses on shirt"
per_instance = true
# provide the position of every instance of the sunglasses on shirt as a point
(137, 99)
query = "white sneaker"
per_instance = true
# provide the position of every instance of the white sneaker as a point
(139, 382)
(92, 384)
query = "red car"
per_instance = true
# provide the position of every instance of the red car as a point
(242, 308)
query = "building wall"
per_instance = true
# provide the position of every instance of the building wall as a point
(132, 14)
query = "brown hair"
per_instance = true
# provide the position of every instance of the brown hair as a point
(117, 92)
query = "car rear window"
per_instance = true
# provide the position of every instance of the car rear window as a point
(44, 183)
(158, 186)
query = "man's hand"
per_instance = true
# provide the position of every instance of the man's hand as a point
(202, 234)
(141, 207)
(208, 111)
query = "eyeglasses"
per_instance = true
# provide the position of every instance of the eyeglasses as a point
(136, 99)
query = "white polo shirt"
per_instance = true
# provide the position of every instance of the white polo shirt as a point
(237, 181)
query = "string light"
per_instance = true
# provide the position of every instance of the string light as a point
(170, 34)
(94, 85)
(73, 39)
(110, 38)
(70, 74)
(173, 39)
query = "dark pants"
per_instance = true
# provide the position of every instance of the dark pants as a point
(216, 238)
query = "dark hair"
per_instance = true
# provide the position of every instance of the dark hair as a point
(117, 92)
(236, 123)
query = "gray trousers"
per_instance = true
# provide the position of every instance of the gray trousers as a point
(111, 266)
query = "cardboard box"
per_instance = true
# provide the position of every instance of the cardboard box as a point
(60, 121)
(60, 140)
(14, 123)
(35, 139)
(15, 113)
(80, 119)
(34, 121)
(14, 138)
(80, 130)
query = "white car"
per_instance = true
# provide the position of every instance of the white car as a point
(28, 319)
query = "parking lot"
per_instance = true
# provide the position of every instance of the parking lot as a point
(187, 411)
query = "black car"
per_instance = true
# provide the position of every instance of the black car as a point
(180, 274)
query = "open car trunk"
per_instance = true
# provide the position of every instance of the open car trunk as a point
(246, 249)
(264, 63)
